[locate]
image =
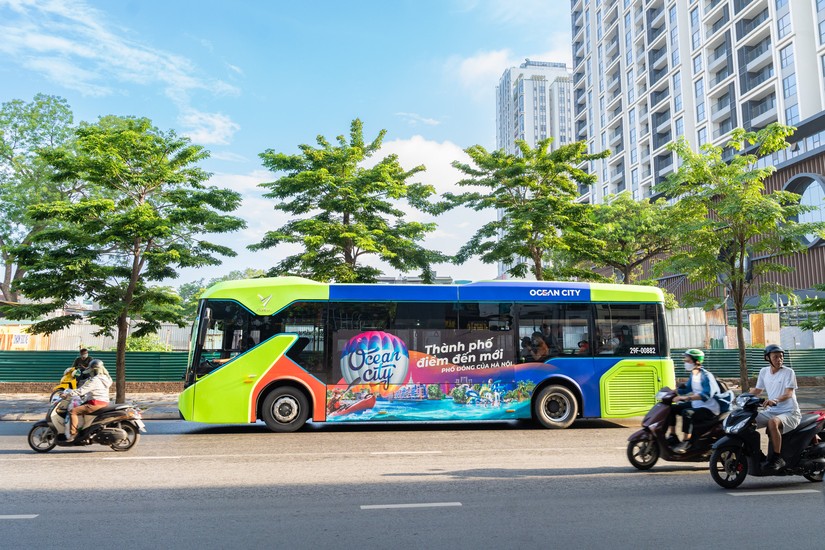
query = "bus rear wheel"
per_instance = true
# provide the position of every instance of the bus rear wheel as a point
(285, 409)
(556, 407)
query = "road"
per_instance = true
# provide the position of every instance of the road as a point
(474, 486)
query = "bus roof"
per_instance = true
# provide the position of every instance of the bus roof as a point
(266, 296)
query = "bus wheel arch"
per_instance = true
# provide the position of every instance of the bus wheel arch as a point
(556, 403)
(285, 406)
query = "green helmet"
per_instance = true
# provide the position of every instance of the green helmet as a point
(696, 354)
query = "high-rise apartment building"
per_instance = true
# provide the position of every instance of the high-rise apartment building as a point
(649, 71)
(533, 102)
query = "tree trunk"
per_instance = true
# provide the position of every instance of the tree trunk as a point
(537, 267)
(120, 361)
(738, 304)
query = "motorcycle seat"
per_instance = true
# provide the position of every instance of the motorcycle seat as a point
(807, 420)
(111, 407)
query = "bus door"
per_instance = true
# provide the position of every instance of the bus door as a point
(631, 356)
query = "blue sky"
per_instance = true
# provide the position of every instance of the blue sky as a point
(243, 77)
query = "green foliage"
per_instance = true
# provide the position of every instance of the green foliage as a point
(190, 293)
(342, 212)
(147, 224)
(815, 305)
(536, 191)
(145, 343)
(26, 129)
(630, 233)
(740, 220)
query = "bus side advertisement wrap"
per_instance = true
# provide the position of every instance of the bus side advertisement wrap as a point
(461, 375)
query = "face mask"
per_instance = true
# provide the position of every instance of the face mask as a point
(614, 342)
(688, 366)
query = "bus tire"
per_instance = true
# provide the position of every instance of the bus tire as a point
(285, 409)
(555, 407)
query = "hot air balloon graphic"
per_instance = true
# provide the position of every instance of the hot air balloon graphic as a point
(376, 358)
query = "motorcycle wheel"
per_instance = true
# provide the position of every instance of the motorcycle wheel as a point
(816, 478)
(42, 437)
(728, 467)
(643, 453)
(132, 436)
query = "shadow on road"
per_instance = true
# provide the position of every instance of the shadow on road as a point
(354, 427)
(514, 473)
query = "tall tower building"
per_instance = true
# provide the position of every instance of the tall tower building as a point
(532, 104)
(649, 71)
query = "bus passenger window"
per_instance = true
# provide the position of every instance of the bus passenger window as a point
(627, 329)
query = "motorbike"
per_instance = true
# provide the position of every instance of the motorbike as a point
(739, 452)
(117, 426)
(68, 382)
(646, 446)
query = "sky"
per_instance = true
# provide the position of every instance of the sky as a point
(240, 78)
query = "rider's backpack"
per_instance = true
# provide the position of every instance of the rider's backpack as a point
(725, 397)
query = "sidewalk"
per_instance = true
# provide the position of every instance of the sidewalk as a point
(164, 406)
(33, 406)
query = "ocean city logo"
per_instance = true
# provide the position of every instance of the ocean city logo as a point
(264, 301)
(375, 357)
(556, 292)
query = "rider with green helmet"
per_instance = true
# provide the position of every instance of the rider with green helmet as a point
(695, 402)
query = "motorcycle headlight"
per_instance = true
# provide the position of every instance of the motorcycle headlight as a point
(731, 428)
(742, 399)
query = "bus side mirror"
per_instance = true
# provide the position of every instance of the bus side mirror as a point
(207, 320)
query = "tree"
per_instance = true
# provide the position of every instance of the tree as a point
(815, 304)
(631, 233)
(190, 293)
(111, 249)
(740, 219)
(535, 192)
(26, 128)
(342, 212)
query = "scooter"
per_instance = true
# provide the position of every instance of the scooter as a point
(646, 446)
(117, 426)
(68, 382)
(739, 453)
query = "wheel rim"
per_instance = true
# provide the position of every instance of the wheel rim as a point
(556, 407)
(285, 409)
(131, 435)
(643, 451)
(43, 437)
(729, 466)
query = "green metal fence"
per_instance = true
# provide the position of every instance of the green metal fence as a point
(48, 366)
(724, 363)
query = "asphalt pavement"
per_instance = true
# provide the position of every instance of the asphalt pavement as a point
(164, 406)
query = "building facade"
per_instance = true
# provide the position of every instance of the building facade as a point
(649, 71)
(533, 102)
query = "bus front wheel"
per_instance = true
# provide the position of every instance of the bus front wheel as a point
(556, 407)
(285, 409)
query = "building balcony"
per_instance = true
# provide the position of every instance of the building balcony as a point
(739, 5)
(661, 121)
(717, 26)
(711, 5)
(658, 97)
(723, 129)
(719, 57)
(615, 137)
(721, 110)
(747, 26)
(655, 17)
(612, 46)
(764, 112)
(613, 82)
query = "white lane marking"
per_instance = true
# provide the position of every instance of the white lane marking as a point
(415, 505)
(141, 457)
(20, 516)
(405, 453)
(767, 493)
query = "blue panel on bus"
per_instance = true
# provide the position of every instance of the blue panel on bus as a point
(525, 291)
(400, 293)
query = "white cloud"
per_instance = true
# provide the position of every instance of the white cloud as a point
(479, 74)
(72, 44)
(208, 128)
(413, 119)
(228, 156)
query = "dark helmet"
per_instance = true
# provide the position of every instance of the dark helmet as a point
(770, 348)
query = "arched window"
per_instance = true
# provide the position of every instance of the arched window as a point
(812, 189)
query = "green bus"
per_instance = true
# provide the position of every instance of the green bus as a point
(287, 350)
